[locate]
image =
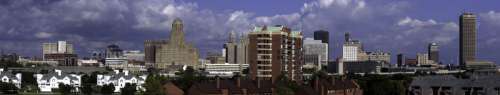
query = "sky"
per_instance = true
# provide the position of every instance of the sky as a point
(394, 26)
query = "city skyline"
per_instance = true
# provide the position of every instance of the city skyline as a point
(91, 25)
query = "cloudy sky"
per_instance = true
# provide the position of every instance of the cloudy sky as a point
(395, 26)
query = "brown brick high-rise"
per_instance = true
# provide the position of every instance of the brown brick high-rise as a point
(273, 51)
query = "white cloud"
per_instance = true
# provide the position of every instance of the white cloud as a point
(43, 35)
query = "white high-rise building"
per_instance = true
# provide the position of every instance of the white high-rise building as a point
(315, 53)
(351, 51)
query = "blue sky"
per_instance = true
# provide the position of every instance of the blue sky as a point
(395, 26)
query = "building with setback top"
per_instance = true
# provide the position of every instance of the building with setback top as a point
(175, 51)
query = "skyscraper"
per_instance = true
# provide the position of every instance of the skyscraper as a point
(174, 51)
(273, 50)
(468, 32)
(401, 60)
(352, 50)
(433, 50)
(315, 53)
(321, 35)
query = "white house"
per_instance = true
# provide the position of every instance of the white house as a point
(7, 77)
(47, 82)
(119, 79)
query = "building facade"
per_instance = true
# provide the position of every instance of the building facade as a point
(63, 59)
(150, 49)
(315, 53)
(9, 77)
(236, 52)
(352, 51)
(224, 70)
(382, 57)
(273, 50)
(401, 60)
(57, 48)
(423, 59)
(47, 82)
(176, 51)
(119, 79)
(115, 58)
(433, 50)
(468, 30)
(322, 35)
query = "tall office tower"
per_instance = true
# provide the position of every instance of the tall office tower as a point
(176, 51)
(230, 51)
(401, 59)
(242, 55)
(150, 49)
(273, 50)
(321, 35)
(61, 47)
(324, 36)
(315, 53)
(468, 32)
(235, 52)
(433, 50)
(352, 51)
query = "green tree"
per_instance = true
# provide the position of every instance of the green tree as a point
(285, 86)
(65, 89)
(8, 88)
(107, 89)
(129, 89)
(153, 85)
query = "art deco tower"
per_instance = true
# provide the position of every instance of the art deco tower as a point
(177, 34)
(468, 32)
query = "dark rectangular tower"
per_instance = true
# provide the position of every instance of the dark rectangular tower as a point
(468, 32)
(321, 35)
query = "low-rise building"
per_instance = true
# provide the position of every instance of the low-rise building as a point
(88, 62)
(224, 70)
(477, 84)
(47, 82)
(8, 77)
(336, 87)
(119, 79)
(232, 87)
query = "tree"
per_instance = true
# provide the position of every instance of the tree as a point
(28, 79)
(87, 89)
(65, 89)
(107, 89)
(86, 85)
(153, 85)
(285, 86)
(8, 88)
(129, 89)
